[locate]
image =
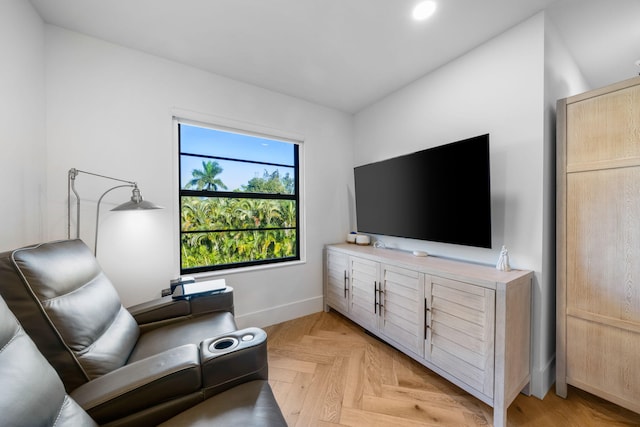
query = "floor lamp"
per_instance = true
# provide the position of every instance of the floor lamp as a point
(136, 202)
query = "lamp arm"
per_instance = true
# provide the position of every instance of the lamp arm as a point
(73, 173)
(77, 171)
(130, 184)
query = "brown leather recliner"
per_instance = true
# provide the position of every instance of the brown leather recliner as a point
(136, 366)
(33, 394)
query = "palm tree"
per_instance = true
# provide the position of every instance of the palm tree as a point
(205, 179)
(288, 213)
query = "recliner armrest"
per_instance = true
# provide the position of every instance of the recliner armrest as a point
(232, 359)
(159, 309)
(166, 308)
(142, 384)
(219, 301)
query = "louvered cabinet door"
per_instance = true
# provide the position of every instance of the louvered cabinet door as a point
(364, 280)
(598, 277)
(337, 280)
(460, 331)
(401, 314)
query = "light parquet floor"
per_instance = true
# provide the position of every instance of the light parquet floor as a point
(326, 371)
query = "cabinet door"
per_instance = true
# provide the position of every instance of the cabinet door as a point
(401, 314)
(460, 331)
(363, 305)
(602, 292)
(337, 280)
(598, 327)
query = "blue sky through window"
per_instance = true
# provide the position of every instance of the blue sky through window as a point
(212, 142)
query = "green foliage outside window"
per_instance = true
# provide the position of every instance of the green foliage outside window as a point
(217, 230)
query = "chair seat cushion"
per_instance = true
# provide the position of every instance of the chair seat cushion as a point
(187, 331)
(249, 404)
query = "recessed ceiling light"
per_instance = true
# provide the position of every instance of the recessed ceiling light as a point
(423, 10)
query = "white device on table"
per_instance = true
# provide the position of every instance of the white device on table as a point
(188, 288)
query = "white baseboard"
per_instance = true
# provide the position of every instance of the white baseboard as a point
(543, 379)
(281, 313)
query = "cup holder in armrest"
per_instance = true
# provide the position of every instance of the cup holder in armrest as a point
(223, 344)
(232, 342)
(233, 358)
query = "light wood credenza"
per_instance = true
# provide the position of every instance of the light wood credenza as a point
(469, 323)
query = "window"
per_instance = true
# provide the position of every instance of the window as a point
(239, 199)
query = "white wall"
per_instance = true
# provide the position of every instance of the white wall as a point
(562, 78)
(22, 125)
(498, 88)
(109, 110)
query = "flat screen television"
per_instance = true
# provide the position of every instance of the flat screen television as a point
(441, 194)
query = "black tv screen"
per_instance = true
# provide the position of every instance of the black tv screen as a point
(441, 194)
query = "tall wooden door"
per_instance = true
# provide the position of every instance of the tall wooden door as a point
(598, 264)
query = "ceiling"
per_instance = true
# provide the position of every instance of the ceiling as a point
(345, 54)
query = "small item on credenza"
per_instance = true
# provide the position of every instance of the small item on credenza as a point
(363, 240)
(503, 260)
(358, 239)
(420, 253)
(379, 244)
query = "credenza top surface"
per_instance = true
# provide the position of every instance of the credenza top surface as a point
(485, 275)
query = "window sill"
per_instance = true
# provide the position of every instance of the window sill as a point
(240, 270)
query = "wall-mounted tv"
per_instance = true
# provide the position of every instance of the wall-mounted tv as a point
(441, 194)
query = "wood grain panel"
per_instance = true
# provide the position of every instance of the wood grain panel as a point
(604, 360)
(603, 243)
(604, 128)
(517, 368)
